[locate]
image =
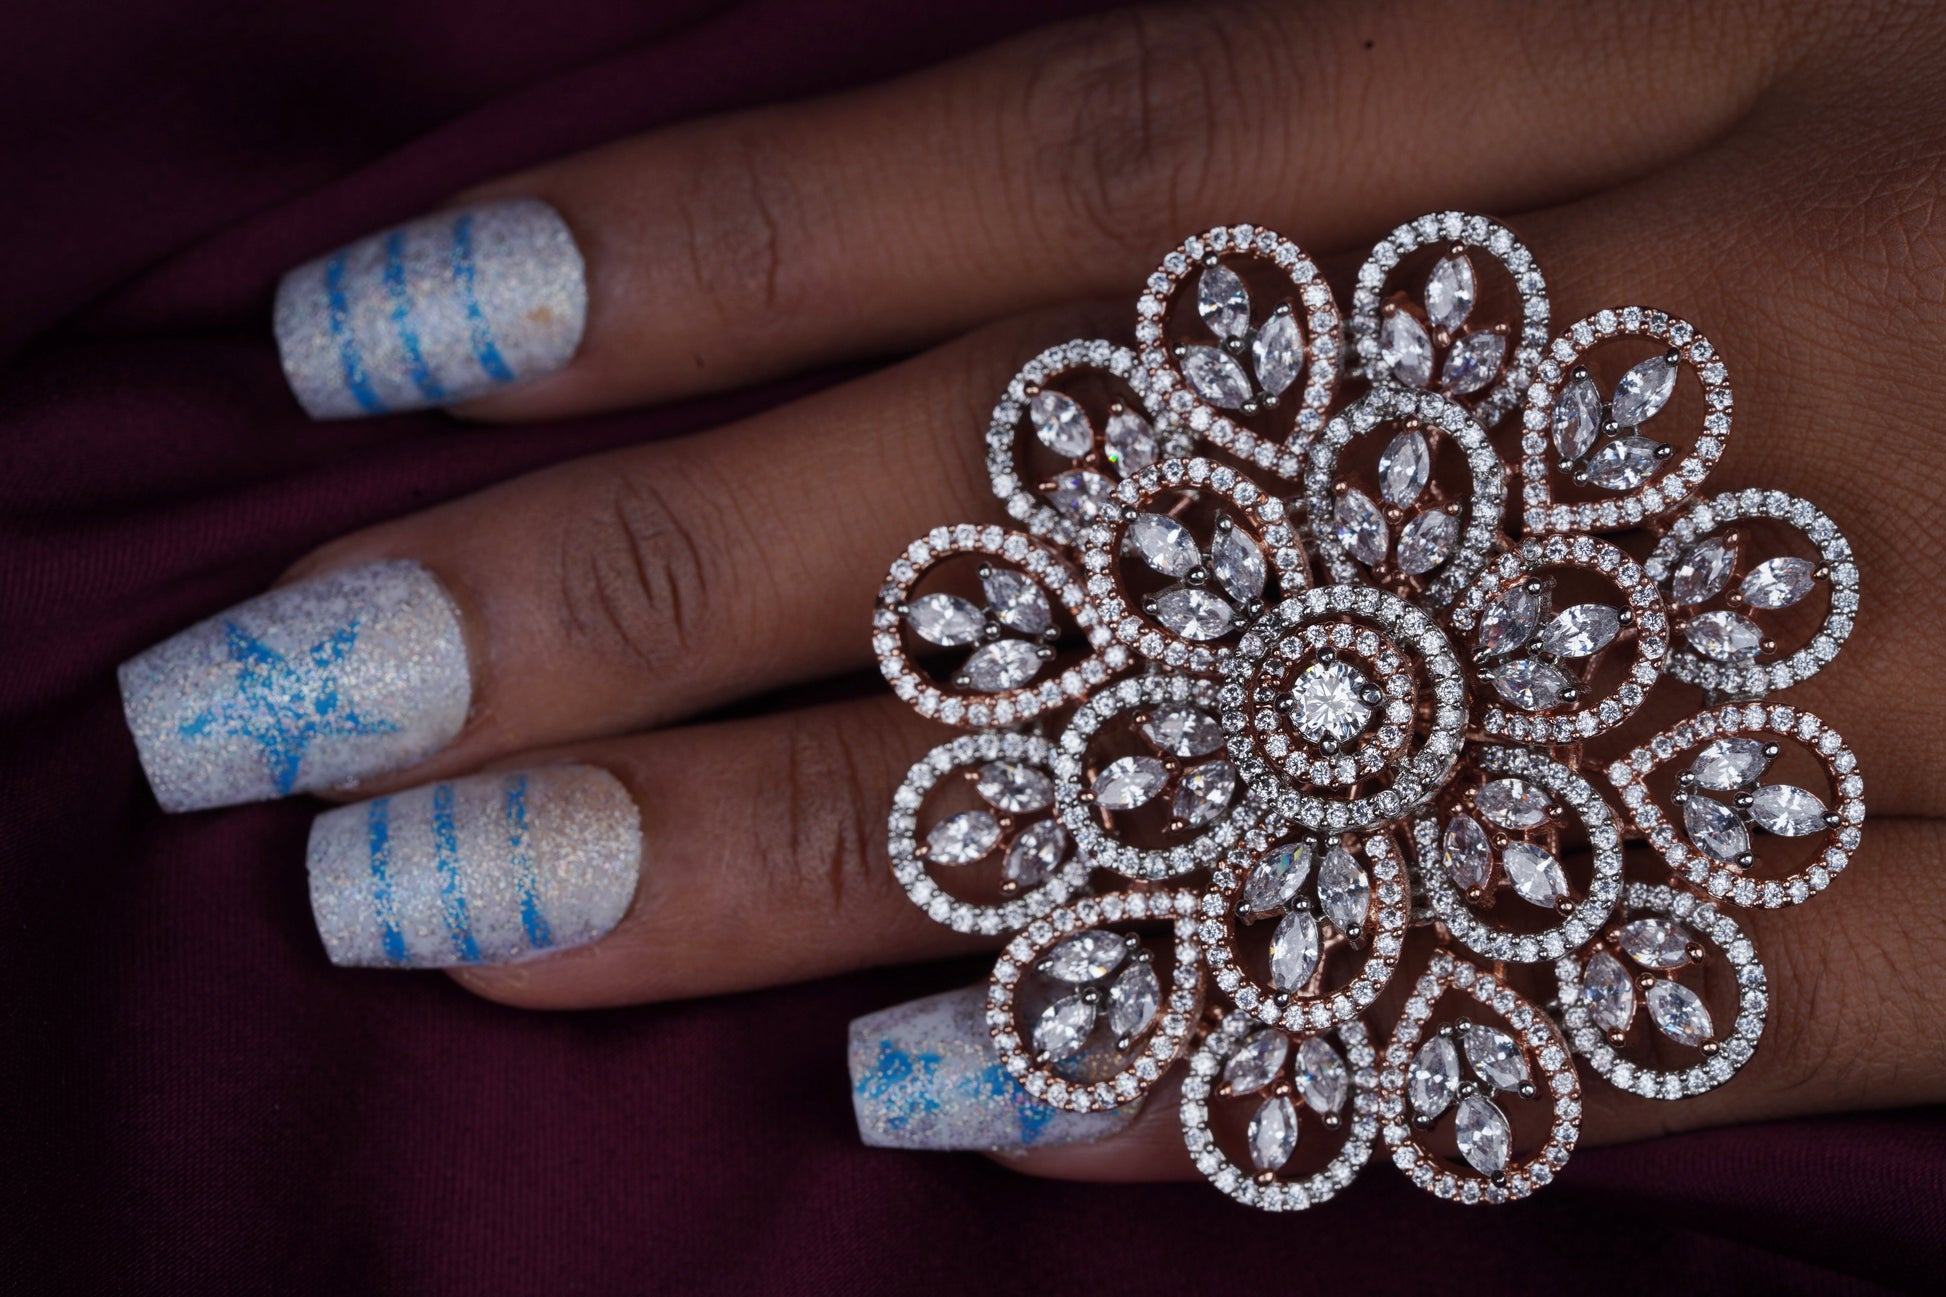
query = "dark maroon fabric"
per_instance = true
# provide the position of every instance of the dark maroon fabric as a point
(196, 1102)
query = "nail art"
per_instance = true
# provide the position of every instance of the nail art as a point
(490, 869)
(924, 1075)
(316, 685)
(441, 310)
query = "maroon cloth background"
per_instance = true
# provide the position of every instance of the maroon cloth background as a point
(196, 1102)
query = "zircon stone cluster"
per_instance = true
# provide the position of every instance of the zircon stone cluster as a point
(1299, 714)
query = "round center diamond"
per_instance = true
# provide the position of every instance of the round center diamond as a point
(1331, 706)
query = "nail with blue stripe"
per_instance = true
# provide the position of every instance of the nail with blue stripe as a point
(490, 869)
(444, 309)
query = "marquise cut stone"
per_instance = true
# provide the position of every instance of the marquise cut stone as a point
(1085, 957)
(1064, 1026)
(1473, 362)
(1164, 544)
(1405, 349)
(1608, 991)
(1495, 1057)
(1223, 302)
(1183, 731)
(1344, 891)
(1079, 494)
(1581, 631)
(1129, 782)
(1205, 793)
(1643, 391)
(1434, 1078)
(1002, 665)
(1134, 1000)
(1484, 1134)
(1426, 541)
(1531, 684)
(1466, 853)
(1273, 1133)
(1016, 601)
(961, 839)
(1723, 635)
(1360, 527)
(1779, 583)
(1514, 803)
(1536, 875)
(1277, 878)
(1404, 468)
(1655, 943)
(1449, 292)
(1703, 570)
(1680, 1013)
(1510, 620)
(1238, 564)
(1060, 423)
(946, 620)
(1129, 442)
(1036, 853)
(1715, 829)
(1322, 1077)
(1015, 786)
(1625, 463)
(1294, 950)
(1577, 419)
(1728, 764)
(1787, 811)
(1277, 352)
(1194, 613)
(1257, 1060)
(1216, 376)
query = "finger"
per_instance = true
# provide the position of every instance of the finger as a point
(1853, 1024)
(1054, 167)
(669, 865)
(596, 597)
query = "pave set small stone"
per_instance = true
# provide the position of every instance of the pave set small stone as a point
(1274, 703)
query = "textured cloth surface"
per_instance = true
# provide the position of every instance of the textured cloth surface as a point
(197, 1101)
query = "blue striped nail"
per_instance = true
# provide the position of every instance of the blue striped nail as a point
(440, 310)
(484, 870)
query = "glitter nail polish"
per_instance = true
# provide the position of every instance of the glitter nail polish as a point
(924, 1075)
(490, 869)
(315, 685)
(443, 309)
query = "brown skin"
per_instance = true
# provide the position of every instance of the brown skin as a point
(1770, 170)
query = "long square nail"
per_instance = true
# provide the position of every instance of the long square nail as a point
(317, 685)
(438, 311)
(924, 1075)
(484, 870)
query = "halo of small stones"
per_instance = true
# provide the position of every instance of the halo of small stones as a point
(1391, 894)
(910, 870)
(1204, 1077)
(1168, 1039)
(1545, 1048)
(1475, 233)
(1735, 1049)
(1101, 551)
(1576, 929)
(1753, 679)
(1004, 428)
(1047, 569)
(1747, 719)
(1379, 660)
(1076, 811)
(1323, 345)
(1380, 408)
(1648, 619)
(1669, 485)
(1416, 776)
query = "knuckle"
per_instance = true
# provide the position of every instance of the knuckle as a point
(823, 852)
(635, 585)
(1123, 123)
(739, 197)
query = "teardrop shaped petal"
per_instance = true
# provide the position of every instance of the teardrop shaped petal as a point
(1277, 878)
(1426, 541)
(1449, 292)
(1680, 1013)
(1581, 631)
(1787, 811)
(945, 619)
(1129, 782)
(1473, 362)
(1164, 544)
(1294, 951)
(1360, 527)
(1577, 418)
(1404, 468)
(1060, 423)
(1643, 391)
(1724, 636)
(1466, 853)
(1703, 570)
(1002, 665)
(1223, 302)
(1405, 350)
(1779, 583)
(1344, 891)
(1536, 875)
(1216, 376)
(1277, 352)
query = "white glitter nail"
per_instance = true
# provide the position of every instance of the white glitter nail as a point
(489, 869)
(925, 1075)
(316, 685)
(444, 309)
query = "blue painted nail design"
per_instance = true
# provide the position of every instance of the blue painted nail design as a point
(441, 310)
(489, 869)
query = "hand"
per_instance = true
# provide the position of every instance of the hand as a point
(1770, 171)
